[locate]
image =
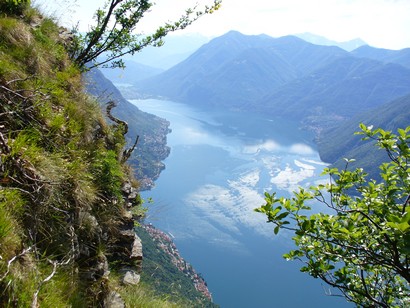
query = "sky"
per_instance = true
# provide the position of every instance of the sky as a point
(380, 23)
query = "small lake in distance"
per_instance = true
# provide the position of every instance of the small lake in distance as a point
(220, 165)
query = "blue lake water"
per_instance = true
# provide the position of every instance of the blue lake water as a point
(220, 165)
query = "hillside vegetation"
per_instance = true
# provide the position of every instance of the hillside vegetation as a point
(339, 143)
(68, 200)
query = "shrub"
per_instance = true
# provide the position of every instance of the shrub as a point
(14, 7)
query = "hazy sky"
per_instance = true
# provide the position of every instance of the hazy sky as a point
(381, 23)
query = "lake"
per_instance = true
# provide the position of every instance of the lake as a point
(220, 165)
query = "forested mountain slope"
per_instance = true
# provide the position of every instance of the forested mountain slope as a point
(343, 88)
(339, 143)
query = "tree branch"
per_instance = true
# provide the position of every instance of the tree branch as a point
(14, 259)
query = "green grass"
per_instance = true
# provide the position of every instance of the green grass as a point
(61, 175)
(58, 158)
(11, 205)
(144, 296)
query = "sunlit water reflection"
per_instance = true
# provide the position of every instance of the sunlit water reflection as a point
(219, 167)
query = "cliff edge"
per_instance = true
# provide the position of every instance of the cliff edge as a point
(69, 202)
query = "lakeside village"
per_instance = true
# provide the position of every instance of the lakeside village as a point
(165, 242)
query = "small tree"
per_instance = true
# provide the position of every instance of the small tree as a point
(362, 247)
(114, 35)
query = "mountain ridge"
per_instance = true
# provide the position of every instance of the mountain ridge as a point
(321, 40)
(282, 76)
(345, 87)
(220, 59)
(401, 56)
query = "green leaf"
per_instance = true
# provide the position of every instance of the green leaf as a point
(283, 215)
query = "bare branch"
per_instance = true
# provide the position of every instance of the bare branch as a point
(14, 259)
(127, 153)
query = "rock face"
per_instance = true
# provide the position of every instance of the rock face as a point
(127, 245)
(136, 252)
(114, 300)
(131, 277)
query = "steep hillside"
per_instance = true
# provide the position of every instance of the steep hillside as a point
(401, 57)
(68, 200)
(165, 269)
(340, 90)
(150, 130)
(63, 205)
(340, 142)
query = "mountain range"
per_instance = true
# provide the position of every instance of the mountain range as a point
(320, 40)
(401, 57)
(323, 87)
(285, 76)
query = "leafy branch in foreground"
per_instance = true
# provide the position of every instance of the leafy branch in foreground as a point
(362, 247)
(114, 36)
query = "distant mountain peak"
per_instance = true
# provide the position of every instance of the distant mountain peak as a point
(320, 40)
(234, 34)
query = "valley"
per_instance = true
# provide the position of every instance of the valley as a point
(260, 114)
(327, 89)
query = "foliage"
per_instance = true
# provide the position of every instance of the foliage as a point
(114, 36)
(14, 7)
(362, 247)
(108, 170)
